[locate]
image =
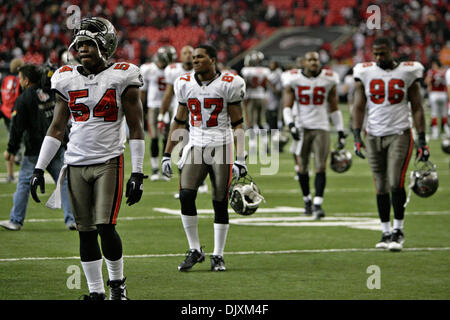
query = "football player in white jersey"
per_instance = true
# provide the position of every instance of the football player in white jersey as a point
(256, 78)
(315, 90)
(390, 91)
(151, 95)
(169, 105)
(171, 73)
(97, 97)
(210, 102)
(437, 96)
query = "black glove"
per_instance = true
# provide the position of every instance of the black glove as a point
(359, 144)
(341, 140)
(294, 131)
(37, 179)
(423, 151)
(135, 187)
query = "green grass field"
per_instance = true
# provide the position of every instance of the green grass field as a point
(276, 254)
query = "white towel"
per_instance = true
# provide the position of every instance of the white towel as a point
(184, 156)
(54, 202)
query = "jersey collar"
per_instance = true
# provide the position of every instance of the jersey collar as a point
(200, 82)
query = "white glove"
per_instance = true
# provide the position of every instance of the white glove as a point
(239, 169)
(166, 165)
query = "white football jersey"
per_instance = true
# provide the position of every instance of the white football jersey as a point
(154, 84)
(207, 103)
(171, 73)
(388, 111)
(311, 93)
(256, 78)
(273, 100)
(97, 116)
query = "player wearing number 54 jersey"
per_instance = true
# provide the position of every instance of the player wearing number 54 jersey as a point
(97, 97)
(211, 103)
(386, 88)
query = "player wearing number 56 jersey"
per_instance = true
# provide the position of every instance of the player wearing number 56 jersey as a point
(387, 88)
(97, 97)
(314, 90)
(210, 102)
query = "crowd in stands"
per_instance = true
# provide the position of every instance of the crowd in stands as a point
(37, 29)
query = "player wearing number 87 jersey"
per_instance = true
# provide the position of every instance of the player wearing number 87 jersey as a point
(97, 97)
(385, 88)
(210, 102)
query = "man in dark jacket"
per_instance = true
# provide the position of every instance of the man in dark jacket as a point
(32, 115)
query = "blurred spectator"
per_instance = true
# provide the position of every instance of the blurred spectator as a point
(10, 91)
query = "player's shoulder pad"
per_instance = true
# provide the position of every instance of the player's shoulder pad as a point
(64, 72)
(363, 67)
(412, 65)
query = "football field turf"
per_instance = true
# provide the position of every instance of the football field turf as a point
(275, 254)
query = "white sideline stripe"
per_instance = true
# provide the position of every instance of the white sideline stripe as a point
(232, 253)
(174, 214)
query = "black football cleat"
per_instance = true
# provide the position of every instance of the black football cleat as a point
(94, 296)
(217, 263)
(308, 208)
(385, 240)
(192, 258)
(318, 212)
(117, 289)
(397, 240)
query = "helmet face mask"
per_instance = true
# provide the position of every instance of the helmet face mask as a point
(101, 32)
(424, 180)
(245, 196)
(340, 160)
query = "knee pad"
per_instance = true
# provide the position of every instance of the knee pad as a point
(220, 211)
(187, 200)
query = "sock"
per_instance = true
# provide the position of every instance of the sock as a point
(115, 269)
(303, 179)
(155, 163)
(319, 183)
(386, 227)
(398, 202)
(307, 198)
(318, 201)
(190, 224)
(220, 237)
(398, 224)
(384, 207)
(93, 273)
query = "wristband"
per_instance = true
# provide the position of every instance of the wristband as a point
(287, 115)
(137, 150)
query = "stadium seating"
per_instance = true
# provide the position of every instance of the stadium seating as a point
(40, 34)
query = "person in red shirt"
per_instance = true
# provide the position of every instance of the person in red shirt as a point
(435, 81)
(10, 90)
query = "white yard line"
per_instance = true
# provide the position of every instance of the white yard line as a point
(140, 256)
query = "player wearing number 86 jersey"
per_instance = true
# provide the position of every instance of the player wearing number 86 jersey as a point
(390, 92)
(386, 92)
